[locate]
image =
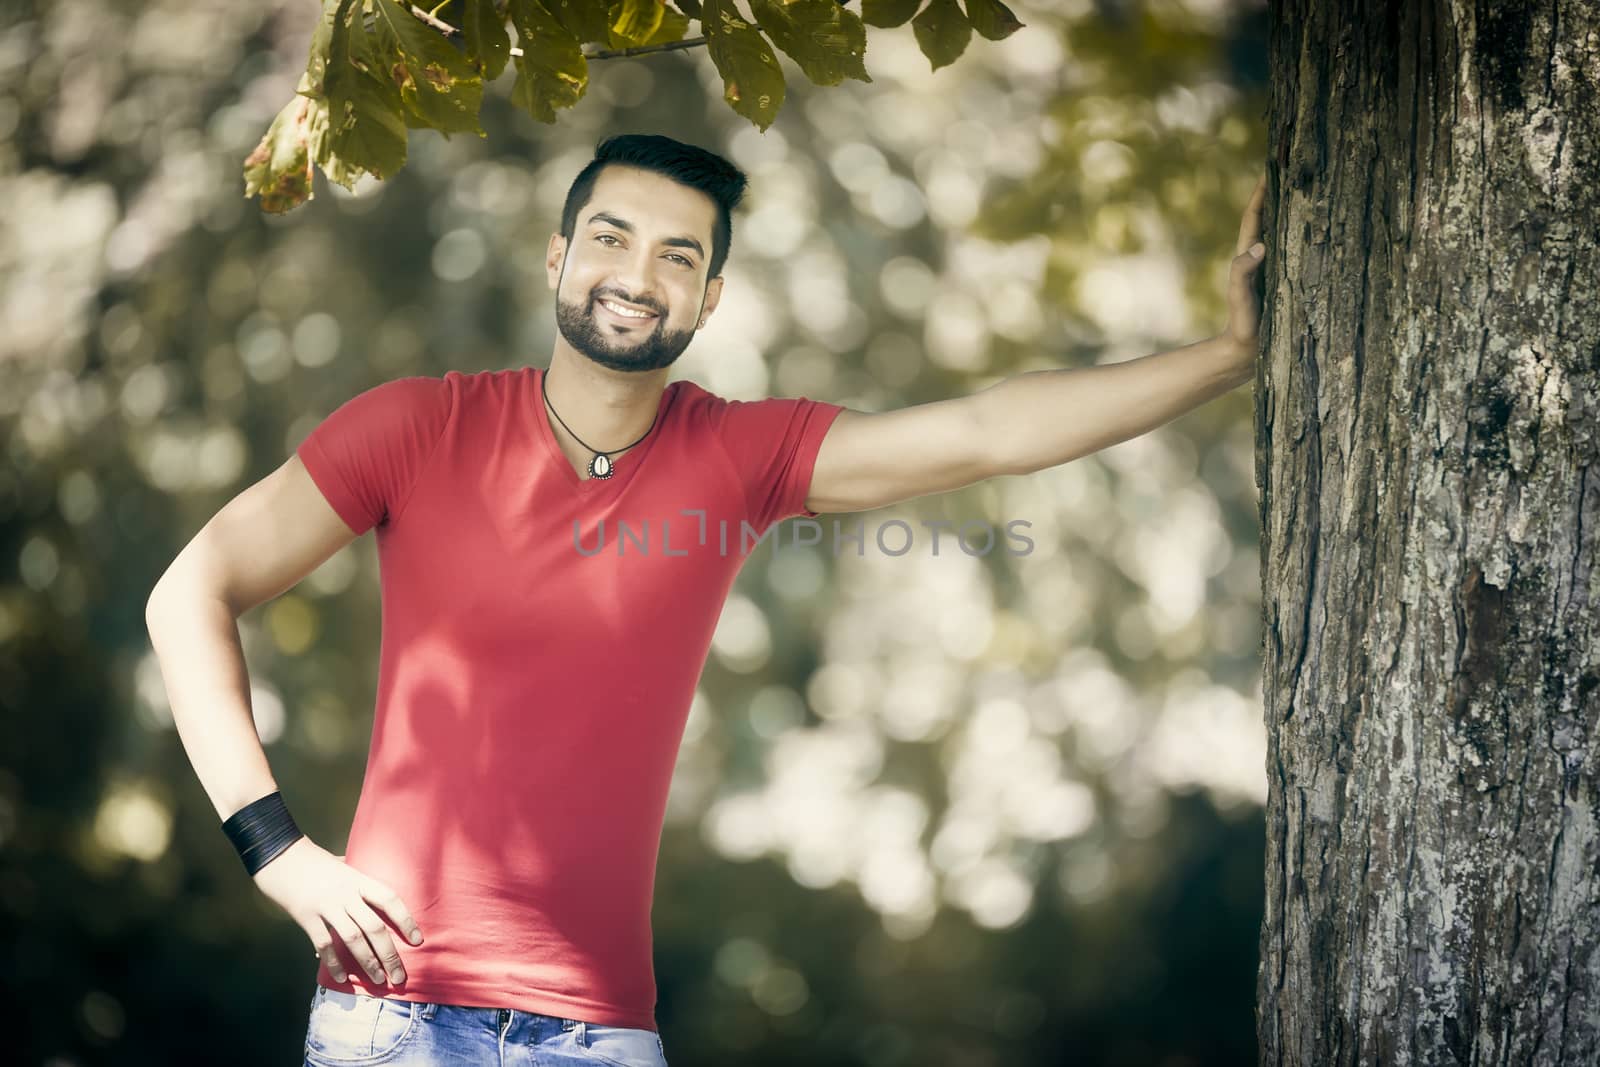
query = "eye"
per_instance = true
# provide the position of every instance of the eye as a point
(681, 259)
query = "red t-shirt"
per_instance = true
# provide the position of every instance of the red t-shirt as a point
(537, 664)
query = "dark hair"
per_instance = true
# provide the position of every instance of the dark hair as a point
(685, 164)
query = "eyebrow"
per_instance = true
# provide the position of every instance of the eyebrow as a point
(625, 225)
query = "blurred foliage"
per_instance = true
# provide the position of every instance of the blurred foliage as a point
(930, 809)
(379, 66)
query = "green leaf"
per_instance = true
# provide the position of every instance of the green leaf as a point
(674, 27)
(752, 83)
(942, 32)
(632, 25)
(317, 62)
(632, 22)
(488, 43)
(366, 55)
(552, 71)
(438, 83)
(992, 19)
(825, 38)
(365, 128)
(888, 13)
(279, 169)
(587, 20)
(337, 169)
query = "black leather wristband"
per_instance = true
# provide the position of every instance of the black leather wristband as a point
(261, 830)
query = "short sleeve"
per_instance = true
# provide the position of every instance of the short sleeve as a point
(773, 444)
(366, 456)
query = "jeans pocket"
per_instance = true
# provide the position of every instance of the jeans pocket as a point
(623, 1046)
(348, 1030)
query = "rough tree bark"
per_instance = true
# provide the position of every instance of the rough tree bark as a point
(1430, 503)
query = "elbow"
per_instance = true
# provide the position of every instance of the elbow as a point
(154, 605)
(159, 604)
(182, 592)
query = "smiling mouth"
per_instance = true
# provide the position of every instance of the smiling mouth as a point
(621, 314)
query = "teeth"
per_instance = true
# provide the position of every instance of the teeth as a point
(620, 310)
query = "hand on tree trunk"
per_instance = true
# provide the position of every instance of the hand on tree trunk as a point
(1244, 306)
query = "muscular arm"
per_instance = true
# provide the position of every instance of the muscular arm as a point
(1048, 417)
(1042, 418)
(261, 543)
(1023, 424)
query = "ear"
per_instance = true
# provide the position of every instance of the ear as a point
(713, 294)
(554, 254)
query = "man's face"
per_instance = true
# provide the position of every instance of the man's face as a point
(642, 241)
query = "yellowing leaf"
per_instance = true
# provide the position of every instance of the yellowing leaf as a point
(634, 22)
(752, 82)
(674, 27)
(552, 71)
(317, 60)
(279, 169)
(437, 82)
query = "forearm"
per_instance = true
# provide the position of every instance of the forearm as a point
(196, 640)
(1044, 418)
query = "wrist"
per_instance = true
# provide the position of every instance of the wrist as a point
(261, 831)
(1238, 360)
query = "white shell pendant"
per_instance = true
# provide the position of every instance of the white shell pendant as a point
(600, 466)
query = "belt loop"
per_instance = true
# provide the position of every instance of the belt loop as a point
(428, 1008)
(581, 1034)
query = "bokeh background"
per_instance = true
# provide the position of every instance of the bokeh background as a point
(930, 809)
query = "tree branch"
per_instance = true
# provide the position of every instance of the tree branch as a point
(450, 31)
(691, 8)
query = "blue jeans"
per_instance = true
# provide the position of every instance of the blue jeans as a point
(350, 1030)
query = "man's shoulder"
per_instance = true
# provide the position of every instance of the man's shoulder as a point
(689, 389)
(478, 387)
(693, 401)
(692, 393)
(480, 379)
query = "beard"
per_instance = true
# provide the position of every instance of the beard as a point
(637, 349)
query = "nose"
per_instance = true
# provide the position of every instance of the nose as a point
(634, 282)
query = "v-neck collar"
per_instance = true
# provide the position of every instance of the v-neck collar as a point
(625, 465)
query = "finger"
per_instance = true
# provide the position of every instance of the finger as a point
(382, 944)
(355, 939)
(1241, 287)
(389, 903)
(1241, 284)
(326, 955)
(1250, 223)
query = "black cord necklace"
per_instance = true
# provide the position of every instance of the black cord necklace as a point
(600, 465)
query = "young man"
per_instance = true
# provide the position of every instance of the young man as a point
(556, 547)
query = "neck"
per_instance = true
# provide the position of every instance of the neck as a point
(608, 409)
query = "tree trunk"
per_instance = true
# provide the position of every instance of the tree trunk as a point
(1430, 506)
